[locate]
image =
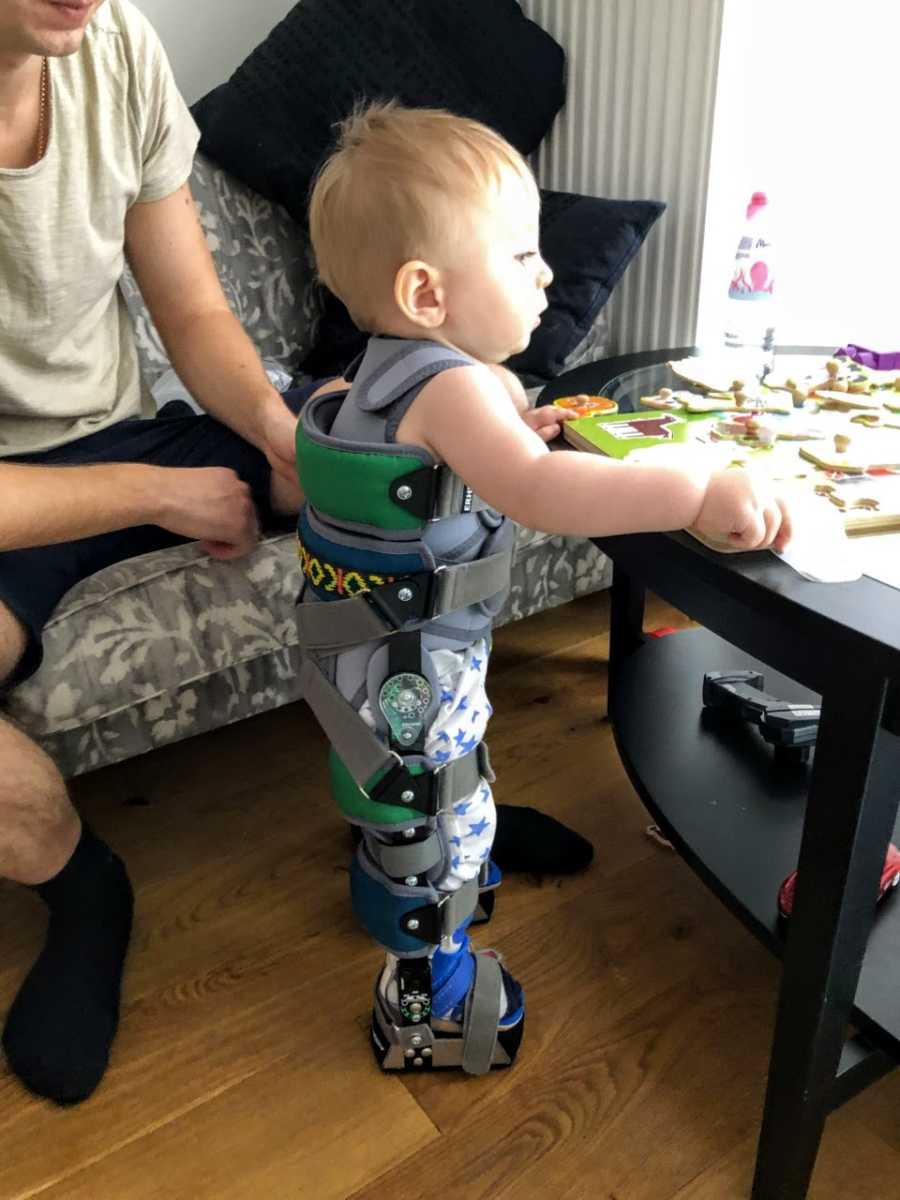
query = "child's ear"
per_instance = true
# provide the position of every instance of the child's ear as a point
(419, 294)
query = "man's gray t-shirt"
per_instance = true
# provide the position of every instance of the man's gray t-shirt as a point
(120, 133)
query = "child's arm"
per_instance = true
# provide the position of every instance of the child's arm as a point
(512, 385)
(546, 422)
(464, 418)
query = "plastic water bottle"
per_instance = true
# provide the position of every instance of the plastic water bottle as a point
(169, 386)
(750, 319)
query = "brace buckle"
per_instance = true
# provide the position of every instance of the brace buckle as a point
(413, 598)
(397, 786)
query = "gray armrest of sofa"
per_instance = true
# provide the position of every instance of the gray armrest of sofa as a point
(161, 647)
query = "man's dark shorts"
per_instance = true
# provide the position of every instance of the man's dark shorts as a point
(32, 582)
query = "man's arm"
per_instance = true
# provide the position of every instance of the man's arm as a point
(209, 350)
(45, 505)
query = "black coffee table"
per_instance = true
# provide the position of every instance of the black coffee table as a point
(743, 823)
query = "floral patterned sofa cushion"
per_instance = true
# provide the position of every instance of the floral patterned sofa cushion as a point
(174, 643)
(265, 266)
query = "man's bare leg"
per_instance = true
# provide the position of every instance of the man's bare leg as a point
(39, 828)
(61, 1024)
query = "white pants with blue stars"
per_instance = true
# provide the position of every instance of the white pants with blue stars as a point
(459, 726)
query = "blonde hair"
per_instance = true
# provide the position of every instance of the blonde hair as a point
(392, 192)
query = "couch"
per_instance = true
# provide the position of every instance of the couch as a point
(171, 644)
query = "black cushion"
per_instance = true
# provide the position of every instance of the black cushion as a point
(271, 124)
(587, 241)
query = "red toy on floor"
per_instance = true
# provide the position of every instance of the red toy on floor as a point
(890, 877)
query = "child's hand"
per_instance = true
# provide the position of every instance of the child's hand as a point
(546, 421)
(745, 510)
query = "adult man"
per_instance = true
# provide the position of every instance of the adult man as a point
(96, 147)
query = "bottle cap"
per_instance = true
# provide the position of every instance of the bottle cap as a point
(757, 201)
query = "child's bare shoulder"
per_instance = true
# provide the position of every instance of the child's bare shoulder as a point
(459, 395)
(471, 381)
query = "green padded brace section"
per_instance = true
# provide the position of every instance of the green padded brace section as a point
(353, 485)
(356, 805)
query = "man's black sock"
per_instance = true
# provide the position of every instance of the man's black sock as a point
(529, 840)
(62, 1023)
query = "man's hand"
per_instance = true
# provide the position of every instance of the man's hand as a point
(546, 421)
(210, 505)
(278, 443)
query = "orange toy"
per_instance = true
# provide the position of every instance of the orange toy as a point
(583, 405)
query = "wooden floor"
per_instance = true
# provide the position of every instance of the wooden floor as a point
(242, 1068)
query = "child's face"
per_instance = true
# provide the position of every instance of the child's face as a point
(495, 286)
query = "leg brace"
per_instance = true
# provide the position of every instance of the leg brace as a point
(427, 823)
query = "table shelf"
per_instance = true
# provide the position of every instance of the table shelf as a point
(734, 815)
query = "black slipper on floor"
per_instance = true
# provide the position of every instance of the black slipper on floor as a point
(530, 840)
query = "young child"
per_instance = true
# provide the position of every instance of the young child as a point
(426, 226)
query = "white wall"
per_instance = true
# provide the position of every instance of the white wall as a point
(206, 39)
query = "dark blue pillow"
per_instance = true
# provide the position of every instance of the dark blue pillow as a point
(588, 242)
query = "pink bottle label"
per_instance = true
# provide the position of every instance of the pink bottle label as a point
(752, 279)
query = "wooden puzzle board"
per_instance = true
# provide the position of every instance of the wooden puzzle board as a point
(853, 464)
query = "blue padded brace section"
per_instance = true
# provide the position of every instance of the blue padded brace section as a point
(380, 913)
(352, 558)
(452, 976)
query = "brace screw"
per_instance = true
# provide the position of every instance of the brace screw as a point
(427, 1052)
(412, 923)
(407, 735)
(417, 1062)
(416, 1017)
(405, 594)
(411, 880)
(416, 1041)
(409, 1053)
(408, 833)
(408, 796)
(404, 491)
(415, 1007)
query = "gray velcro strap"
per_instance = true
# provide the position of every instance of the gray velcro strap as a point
(471, 582)
(482, 1016)
(458, 906)
(407, 859)
(356, 745)
(453, 496)
(459, 779)
(335, 624)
